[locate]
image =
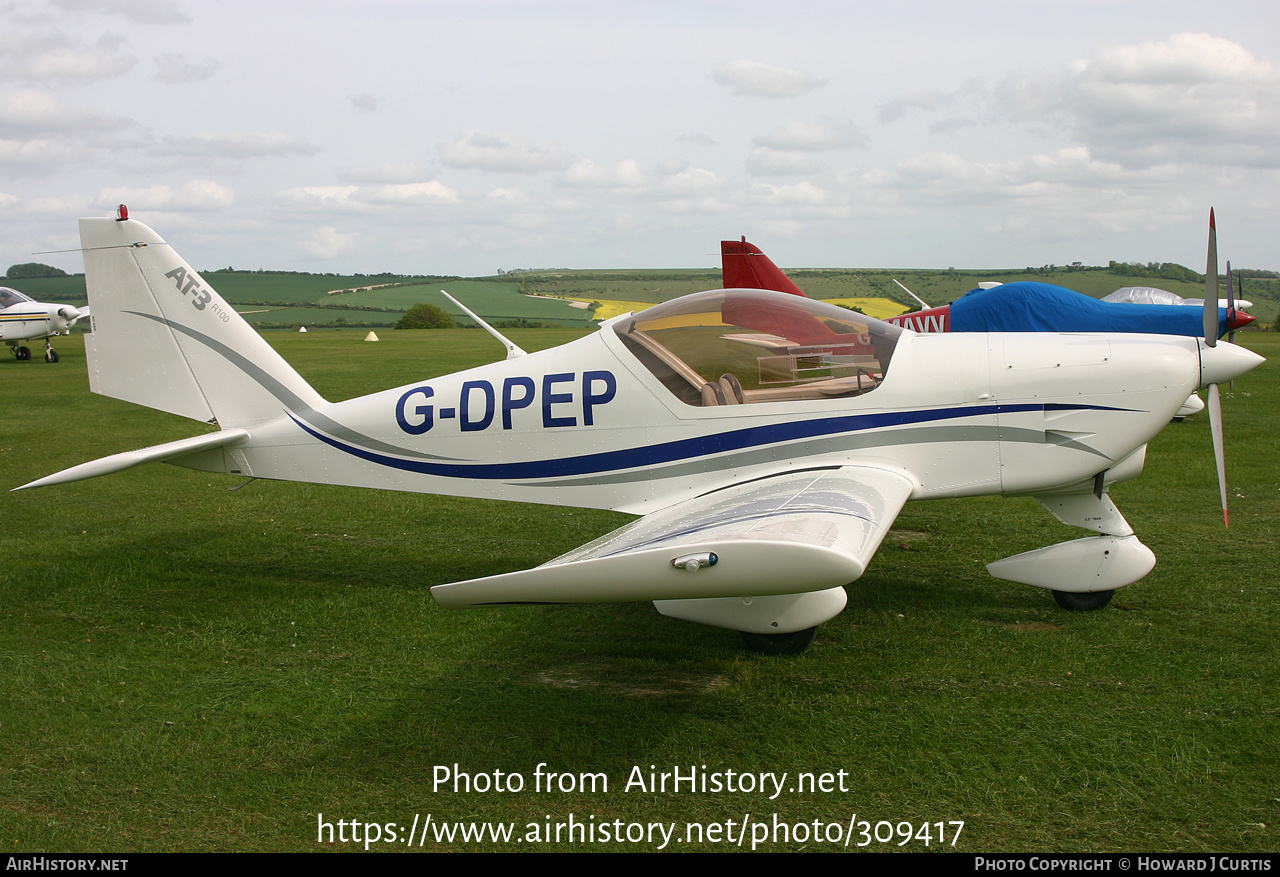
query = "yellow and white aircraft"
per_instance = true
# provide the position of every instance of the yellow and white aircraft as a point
(24, 319)
(767, 440)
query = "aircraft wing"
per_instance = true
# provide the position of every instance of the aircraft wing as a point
(791, 533)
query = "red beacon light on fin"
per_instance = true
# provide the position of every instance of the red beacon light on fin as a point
(122, 213)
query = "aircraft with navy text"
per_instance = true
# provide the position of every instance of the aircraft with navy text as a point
(767, 441)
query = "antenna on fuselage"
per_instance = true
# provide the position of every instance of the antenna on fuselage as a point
(924, 304)
(513, 351)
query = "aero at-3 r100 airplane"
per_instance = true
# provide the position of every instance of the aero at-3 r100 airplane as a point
(767, 440)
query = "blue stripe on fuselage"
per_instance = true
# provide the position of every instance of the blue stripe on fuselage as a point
(684, 449)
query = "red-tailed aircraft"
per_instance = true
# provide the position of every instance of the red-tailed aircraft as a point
(1000, 307)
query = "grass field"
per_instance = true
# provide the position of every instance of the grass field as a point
(188, 668)
(311, 317)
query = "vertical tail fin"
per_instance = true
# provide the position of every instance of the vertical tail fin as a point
(745, 266)
(163, 338)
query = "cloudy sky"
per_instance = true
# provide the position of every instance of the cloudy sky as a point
(431, 136)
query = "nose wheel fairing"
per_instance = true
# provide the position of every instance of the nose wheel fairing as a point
(1092, 565)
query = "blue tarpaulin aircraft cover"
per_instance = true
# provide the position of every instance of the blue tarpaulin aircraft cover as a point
(1042, 307)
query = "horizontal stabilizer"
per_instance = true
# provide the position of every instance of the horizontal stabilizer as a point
(790, 534)
(129, 459)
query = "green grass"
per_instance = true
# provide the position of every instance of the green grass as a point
(187, 668)
(293, 317)
(300, 289)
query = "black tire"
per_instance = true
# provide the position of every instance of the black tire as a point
(780, 643)
(51, 355)
(1090, 602)
(22, 353)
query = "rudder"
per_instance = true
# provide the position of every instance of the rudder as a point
(743, 265)
(163, 337)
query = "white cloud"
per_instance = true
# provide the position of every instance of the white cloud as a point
(953, 125)
(507, 195)
(430, 192)
(691, 190)
(361, 198)
(33, 154)
(1183, 59)
(59, 208)
(142, 11)
(806, 137)
(698, 139)
(707, 206)
(526, 221)
(800, 193)
(329, 243)
(692, 181)
(173, 68)
(496, 151)
(54, 58)
(192, 195)
(1191, 97)
(763, 162)
(1066, 176)
(930, 101)
(235, 146)
(364, 102)
(762, 80)
(891, 111)
(625, 174)
(319, 197)
(32, 111)
(385, 172)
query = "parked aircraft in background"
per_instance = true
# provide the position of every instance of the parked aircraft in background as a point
(767, 440)
(23, 319)
(1023, 306)
(1150, 295)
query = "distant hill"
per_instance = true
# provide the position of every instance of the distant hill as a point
(272, 299)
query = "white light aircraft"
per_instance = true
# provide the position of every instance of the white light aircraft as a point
(24, 319)
(767, 440)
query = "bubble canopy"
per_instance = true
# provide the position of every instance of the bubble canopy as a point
(744, 346)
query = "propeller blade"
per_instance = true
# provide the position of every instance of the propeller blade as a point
(1211, 286)
(1219, 452)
